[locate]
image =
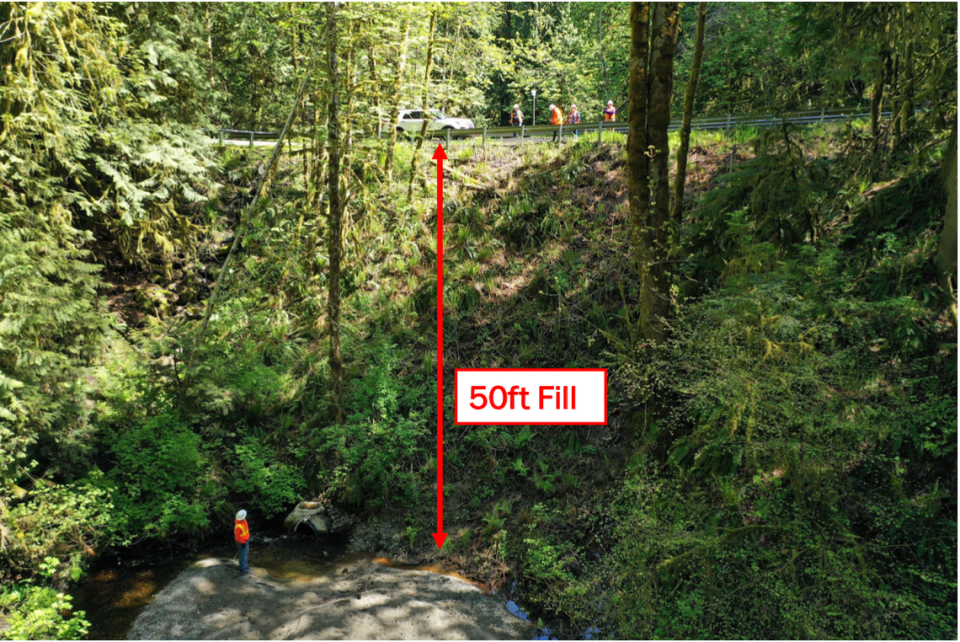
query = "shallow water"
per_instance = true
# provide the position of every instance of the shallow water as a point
(114, 595)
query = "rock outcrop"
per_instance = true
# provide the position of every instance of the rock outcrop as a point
(320, 516)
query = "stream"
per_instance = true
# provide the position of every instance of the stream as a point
(117, 592)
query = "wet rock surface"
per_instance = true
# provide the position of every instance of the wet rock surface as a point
(353, 598)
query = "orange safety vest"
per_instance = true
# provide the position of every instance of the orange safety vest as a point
(516, 117)
(241, 532)
(610, 114)
(557, 116)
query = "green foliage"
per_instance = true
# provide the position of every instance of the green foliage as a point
(59, 523)
(38, 613)
(807, 458)
(162, 480)
(84, 150)
(381, 445)
(272, 485)
(794, 443)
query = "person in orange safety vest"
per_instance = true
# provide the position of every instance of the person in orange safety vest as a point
(610, 113)
(241, 534)
(556, 118)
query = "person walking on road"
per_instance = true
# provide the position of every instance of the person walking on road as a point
(573, 118)
(241, 533)
(610, 113)
(516, 118)
(556, 118)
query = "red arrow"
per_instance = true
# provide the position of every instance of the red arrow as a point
(439, 536)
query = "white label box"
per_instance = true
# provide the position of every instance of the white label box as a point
(527, 396)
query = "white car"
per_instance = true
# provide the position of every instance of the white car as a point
(411, 121)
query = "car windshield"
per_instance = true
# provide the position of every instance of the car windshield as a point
(436, 113)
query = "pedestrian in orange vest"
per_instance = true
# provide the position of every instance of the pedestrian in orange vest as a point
(573, 118)
(610, 113)
(556, 118)
(241, 533)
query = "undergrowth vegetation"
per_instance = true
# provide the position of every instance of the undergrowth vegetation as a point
(181, 335)
(796, 478)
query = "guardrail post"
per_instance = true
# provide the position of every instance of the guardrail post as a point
(484, 137)
(823, 112)
(220, 134)
(448, 138)
(523, 132)
(251, 139)
(560, 135)
(729, 121)
(600, 133)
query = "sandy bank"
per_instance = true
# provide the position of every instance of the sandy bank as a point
(352, 600)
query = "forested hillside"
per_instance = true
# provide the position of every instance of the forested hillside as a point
(188, 327)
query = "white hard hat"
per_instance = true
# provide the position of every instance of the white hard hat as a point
(553, 106)
(516, 106)
(242, 515)
(573, 106)
(609, 102)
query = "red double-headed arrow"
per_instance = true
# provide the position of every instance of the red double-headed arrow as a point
(439, 156)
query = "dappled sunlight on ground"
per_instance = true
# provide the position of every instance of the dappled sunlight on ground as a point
(353, 599)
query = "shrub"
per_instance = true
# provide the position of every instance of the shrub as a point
(271, 484)
(37, 613)
(381, 444)
(162, 482)
(58, 523)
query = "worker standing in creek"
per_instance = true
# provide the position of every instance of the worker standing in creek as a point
(241, 533)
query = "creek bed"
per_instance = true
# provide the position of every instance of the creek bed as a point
(299, 588)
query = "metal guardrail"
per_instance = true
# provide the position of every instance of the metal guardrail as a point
(557, 132)
(705, 123)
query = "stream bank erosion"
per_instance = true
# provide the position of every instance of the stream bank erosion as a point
(352, 599)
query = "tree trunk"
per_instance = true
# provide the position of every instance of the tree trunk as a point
(237, 235)
(877, 101)
(656, 303)
(688, 99)
(376, 89)
(603, 60)
(425, 105)
(946, 258)
(210, 66)
(350, 83)
(334, 216)
(637, 160)
(895, 96)
(906, 109)
(395, 100)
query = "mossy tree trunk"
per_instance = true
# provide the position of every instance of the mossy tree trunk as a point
(656, 301)
(877, 100)
(394, 116)
(688, 100)
(638, 185)
(946, 258)
(414, 165)
(334, 215)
